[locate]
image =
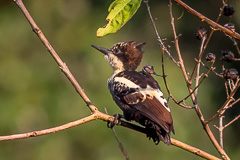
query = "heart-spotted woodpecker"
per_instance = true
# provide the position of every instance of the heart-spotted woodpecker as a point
(137, 93)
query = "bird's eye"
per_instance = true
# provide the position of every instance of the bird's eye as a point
(117, 51)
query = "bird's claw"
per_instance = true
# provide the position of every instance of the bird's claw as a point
(117, 117)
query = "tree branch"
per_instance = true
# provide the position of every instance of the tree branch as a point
(49, 130)
(236, 118)
(102, 116)
(193, 150)
(158, 36)
(230, 98)
(208, 21)
(55, 56)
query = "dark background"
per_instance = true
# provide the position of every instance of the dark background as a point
(34, 94)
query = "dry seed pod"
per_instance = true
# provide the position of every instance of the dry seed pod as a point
(228, 10)
(231, 73)
(227, 56)
(200, 33)
(210, 57)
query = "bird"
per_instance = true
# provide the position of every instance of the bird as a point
(137, 93)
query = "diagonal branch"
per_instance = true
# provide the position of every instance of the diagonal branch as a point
(204, 77)
(55, 56)
(158, 36)
(208, 21)
(236, 118)
(230, 98)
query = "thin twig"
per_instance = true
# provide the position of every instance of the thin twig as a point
(221, 130)
(168, 90)
(204, 77)
(236, 101)
(199, 65)
(230, 98)
(213, 70)
(181, 63)
(221, 127)
(158, 36)
(226, 88)
(236, 118)
(236, 45)
(122, 148)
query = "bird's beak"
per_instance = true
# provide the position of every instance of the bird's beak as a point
(105, 51)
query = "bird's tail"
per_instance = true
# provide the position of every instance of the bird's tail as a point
(157, 133)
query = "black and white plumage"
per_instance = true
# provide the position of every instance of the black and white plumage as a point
(138, 93)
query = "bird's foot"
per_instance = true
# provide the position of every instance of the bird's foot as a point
(117, 117)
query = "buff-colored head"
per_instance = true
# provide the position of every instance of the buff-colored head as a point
(123, 55)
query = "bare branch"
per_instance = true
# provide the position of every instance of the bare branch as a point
(122, 148)
(193, 150)
(166, 85)
(199, 65)
(236, 118)
(53, 53)
(230, 98)
(229, 106)
(49, 130)
(181, 63)
(220, 128)
(158, 36)
(204, 77)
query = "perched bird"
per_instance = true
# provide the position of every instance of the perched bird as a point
(137, 93)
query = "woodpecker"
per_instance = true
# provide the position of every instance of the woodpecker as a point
(137, 93)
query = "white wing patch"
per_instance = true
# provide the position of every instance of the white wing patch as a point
(126, 82)
(148, 92)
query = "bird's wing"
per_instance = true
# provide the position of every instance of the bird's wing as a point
(145, 96)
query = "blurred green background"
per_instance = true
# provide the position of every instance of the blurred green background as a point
(34, 94)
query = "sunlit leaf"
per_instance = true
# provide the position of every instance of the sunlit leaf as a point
(120, 11)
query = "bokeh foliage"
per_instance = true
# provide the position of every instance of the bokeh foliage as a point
(35, 95)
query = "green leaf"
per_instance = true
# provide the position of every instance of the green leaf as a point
(120, 11)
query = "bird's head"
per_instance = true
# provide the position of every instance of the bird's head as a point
(123, 55)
